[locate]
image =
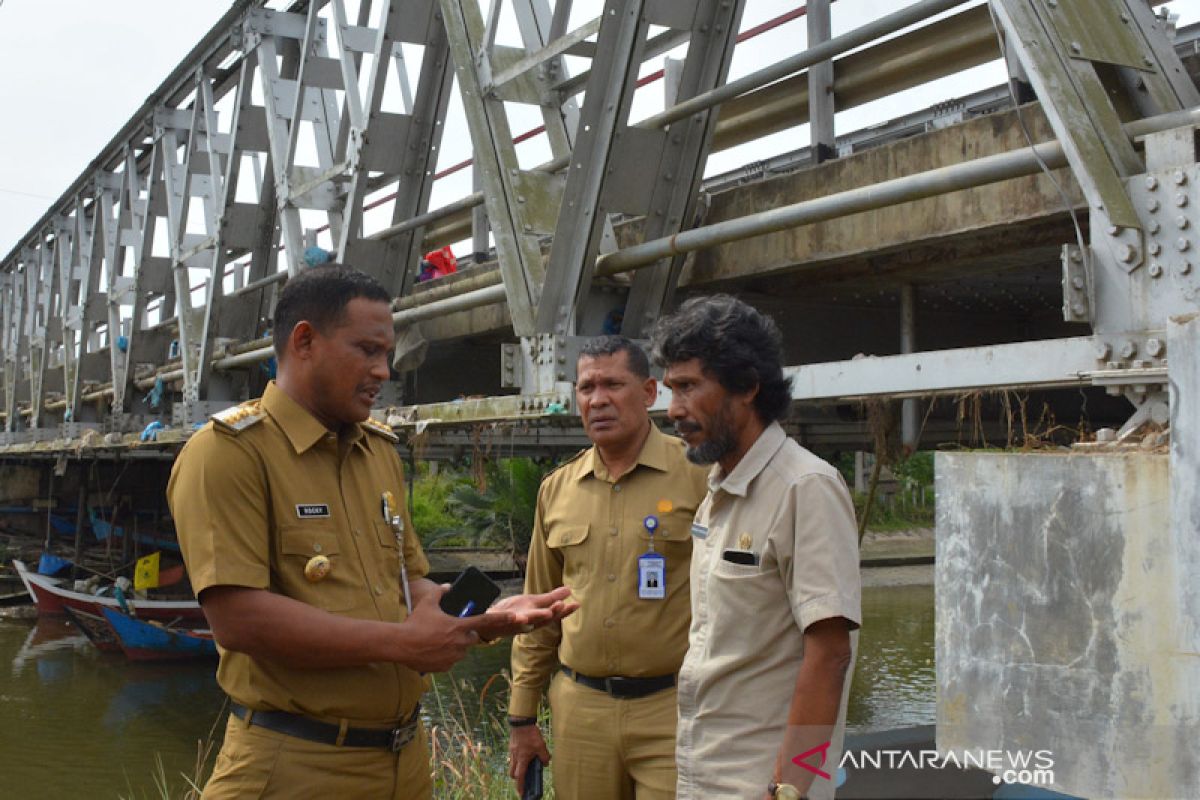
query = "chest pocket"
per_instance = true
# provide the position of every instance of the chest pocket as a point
(298, 544)
(391, 551)
(673, 536)
(569, 542)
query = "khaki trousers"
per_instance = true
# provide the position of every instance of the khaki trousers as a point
(258, 763)
(608, 749)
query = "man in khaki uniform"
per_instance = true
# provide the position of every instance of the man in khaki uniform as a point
(611, 667)
(775, 582)
(279, 508)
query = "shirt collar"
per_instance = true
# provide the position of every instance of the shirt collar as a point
(753, 462)
(654, 454)
(302, 429)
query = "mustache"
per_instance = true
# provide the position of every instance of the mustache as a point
(687, 427)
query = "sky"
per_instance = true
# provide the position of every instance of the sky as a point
(73, 71)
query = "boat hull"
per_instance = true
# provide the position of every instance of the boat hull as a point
(141, 640)
(51, 598)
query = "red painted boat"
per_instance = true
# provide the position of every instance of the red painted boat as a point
(51, 596)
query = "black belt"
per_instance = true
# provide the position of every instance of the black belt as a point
(313, 730)
(620, 687)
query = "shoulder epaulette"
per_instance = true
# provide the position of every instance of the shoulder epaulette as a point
(375, 426)
(569, 461)
(237, 418)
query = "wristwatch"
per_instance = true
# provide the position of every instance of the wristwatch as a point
(783, 791)
(521, 722)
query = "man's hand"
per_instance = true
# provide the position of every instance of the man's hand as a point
(434, 641)
(523, 613)
(524, 743)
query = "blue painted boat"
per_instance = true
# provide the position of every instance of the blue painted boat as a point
(141, 640)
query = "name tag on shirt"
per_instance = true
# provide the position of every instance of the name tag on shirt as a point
(652, 576)
(699, 531)
(311, 510)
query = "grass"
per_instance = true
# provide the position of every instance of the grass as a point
(470, 746)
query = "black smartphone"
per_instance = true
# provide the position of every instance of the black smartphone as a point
(743, 557)
(470, 594)
(532, 790)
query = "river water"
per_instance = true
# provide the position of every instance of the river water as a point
(78, 723)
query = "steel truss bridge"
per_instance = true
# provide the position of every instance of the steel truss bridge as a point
(1037, 236)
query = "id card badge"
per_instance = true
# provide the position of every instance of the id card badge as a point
(652, 576)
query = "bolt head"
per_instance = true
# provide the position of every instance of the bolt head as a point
(1181, 222)
(1179, 176)
(1151, 182)
(1077, 282)
(1102, 351)
(1129, 349)
(1181, 199)
(1154, 248)
(1156, 270)
(1078, 309)
(1183, 268)
(1075, 47)
(1152, 205)
(1154, 227)
(1076, 256)
(1126, 253)
(1182, 243)
(1155, 347)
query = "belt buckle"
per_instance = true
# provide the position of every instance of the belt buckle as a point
(401, 736)
(615, 686)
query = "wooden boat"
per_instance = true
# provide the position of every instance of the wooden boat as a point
(51, 596)
(95, 628)
(142, 640)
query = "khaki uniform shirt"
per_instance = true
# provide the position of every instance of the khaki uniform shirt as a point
(746, 643)
(588, 533)
(252, 506)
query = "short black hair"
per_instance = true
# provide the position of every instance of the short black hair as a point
(639, 363)
(737, 344)
(320, 296)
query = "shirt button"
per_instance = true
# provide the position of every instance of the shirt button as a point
(616, 487)
(378, 590)
(608, 623)
(612, 531)
(611, 577)
(316, 547)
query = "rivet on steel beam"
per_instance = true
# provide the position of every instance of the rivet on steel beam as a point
(1126, 253)
(1124, 17)
(1129, 349)
(1155, 270)
(1183, 244)
(1075, 47)
(1078, 309)
(1181, 199)
(1155, 347)
(1077, 282)
(1153, 227)
(1152, 205)
(1149, 62)
(1183, 268)
(1154, 248)
(1077, 256)
(1102, 351)
(1151, 182)
(1181, 222)
(1179, 176)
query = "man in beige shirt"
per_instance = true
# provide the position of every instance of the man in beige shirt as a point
(775, 582)
(613, 525)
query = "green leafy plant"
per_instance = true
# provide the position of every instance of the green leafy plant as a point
(500, 512)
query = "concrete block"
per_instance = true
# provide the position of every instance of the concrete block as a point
(1058, 618)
